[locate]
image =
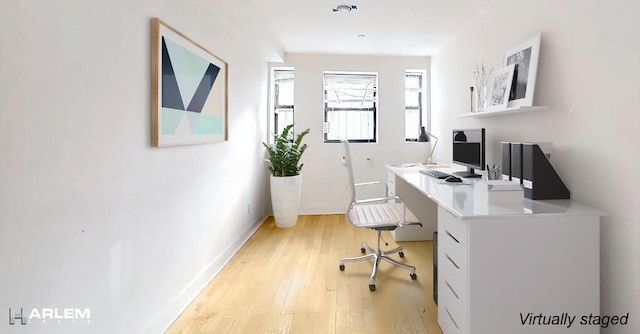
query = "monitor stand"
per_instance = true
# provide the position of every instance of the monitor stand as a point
(468, 174)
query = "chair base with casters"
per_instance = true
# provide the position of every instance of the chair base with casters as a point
(378, 254)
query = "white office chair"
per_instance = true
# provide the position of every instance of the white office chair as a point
(379, 214)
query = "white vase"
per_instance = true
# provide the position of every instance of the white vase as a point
(285, 199)
(481, 98)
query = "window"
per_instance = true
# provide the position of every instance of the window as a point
(414, 111)
(282, 99)
(350, 101)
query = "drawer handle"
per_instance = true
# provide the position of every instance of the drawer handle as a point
(450, 288)
(450, 260)
(452, 237)
(451, 317)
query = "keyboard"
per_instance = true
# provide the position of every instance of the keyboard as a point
(435, 173)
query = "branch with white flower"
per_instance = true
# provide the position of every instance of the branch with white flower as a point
(481, 73)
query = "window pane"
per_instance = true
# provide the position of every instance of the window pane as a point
(411, 99)
(284, 117)
(411, 128)
(413, 80)
(283, 98)
(283, 80)
(285, 94)
(350, 124)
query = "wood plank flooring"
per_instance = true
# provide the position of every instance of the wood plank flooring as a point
(288, 281)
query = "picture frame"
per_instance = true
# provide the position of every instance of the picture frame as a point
(500, 88)
(188, 90)
(525, 58)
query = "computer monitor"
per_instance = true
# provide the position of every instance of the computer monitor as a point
(469, 151)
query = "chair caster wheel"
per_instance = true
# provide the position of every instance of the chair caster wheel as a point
(362, 250)
(342, 267)
(401, 254)
(372, 287)
(413, 276)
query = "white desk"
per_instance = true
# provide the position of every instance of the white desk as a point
(497, 263)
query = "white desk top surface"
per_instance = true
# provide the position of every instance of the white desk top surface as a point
(458, 198)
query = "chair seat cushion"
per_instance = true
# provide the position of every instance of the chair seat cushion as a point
(380, 215)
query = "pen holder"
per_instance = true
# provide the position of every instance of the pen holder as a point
(493, 172)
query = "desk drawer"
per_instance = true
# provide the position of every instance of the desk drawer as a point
(456, 228)
(448, 323)
(445, 322)
(453, 282)
(456, 310)
(453, 249)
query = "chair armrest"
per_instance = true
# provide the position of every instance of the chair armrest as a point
(386, 187)
(409, 224)
(369, 183)
(378, 199)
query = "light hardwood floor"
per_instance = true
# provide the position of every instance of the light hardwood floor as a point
(288, 281)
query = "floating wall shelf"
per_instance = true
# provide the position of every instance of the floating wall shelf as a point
(512, 110)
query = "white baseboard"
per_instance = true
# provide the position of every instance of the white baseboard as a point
(183, 299)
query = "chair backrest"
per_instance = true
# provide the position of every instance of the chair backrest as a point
(385, 214)
(346, 161)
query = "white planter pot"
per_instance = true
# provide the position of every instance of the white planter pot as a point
(285, 199)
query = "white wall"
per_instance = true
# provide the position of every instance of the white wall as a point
(324, 177)
(90, 215)
(589, 74)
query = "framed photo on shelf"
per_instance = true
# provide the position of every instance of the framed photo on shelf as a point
(500, 88)
(188, 90)
(525, 59)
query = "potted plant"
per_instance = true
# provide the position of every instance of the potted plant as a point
(286, 181)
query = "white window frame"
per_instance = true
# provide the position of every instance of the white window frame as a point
(275, 107)
(352, 112)
(422, 108)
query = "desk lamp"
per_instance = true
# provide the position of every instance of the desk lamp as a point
(424, 137)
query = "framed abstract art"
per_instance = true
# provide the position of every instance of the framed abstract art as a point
(188, 90)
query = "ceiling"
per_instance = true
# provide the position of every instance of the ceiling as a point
(391, 27)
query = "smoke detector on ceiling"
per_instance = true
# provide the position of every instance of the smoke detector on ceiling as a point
(344, 8)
